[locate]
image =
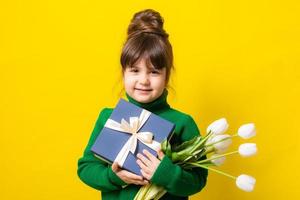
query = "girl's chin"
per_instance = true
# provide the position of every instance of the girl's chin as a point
(143, 98)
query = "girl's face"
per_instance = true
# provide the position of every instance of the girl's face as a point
(142, 83)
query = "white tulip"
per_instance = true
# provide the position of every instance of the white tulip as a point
(218, 161)
(218, 126)
(245, 182)
(220, 142)
(247, 149)
(247, 131)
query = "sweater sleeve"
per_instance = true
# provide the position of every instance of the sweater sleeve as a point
(173, 178)
(93, 171)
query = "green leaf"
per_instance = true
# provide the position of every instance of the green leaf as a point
(186, 144)
(164, 145)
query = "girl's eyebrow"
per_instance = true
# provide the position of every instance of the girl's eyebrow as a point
(134, 66)
(153, 68)
(148, 68)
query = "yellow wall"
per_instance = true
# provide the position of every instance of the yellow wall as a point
(60, 65)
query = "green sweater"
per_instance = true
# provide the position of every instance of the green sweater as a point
(179, 183)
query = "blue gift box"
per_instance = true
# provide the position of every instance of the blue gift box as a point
(112, 139)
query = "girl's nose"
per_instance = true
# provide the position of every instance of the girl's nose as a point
(144, 79)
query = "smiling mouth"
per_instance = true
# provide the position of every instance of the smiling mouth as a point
(146, 90)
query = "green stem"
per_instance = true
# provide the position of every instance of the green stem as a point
(219, 156)
(160, 194)
(207, 151)
(215, 170)
(142, 191)
(202, 142)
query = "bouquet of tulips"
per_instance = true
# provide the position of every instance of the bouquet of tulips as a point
(213, 145)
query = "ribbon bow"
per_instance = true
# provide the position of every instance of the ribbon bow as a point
(135, 123)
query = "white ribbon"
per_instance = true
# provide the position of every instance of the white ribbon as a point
(135, 123)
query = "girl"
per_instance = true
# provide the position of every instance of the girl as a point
(146, 61)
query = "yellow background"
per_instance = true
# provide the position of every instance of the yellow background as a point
(59, 62)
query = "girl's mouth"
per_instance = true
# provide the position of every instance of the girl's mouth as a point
(145, 90)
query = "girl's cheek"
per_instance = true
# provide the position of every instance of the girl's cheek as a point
(130, 80)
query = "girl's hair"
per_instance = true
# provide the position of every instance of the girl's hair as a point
(147, 39)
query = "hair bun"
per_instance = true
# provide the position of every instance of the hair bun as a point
(147, 21)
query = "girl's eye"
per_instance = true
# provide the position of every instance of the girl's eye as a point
(155, 72)
(134, 70)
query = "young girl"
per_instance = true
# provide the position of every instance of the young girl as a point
(146, 61)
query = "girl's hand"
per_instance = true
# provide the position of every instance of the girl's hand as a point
(149, 163)
(128, 177)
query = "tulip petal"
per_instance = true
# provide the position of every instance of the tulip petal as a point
(218, 161)
(220, 142)
(247, 149)
(218, 126)
(245, 182)
(247, 131)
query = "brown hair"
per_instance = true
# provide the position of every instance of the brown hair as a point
(147, 38)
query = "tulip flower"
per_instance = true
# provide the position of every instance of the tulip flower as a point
(220, 142)
(245, 182)
(247, 131)
(247, 149)
(190, 154)
(217, 160)
(218, 127)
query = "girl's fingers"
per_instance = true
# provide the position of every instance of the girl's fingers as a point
(143, 166)
(148, 165)
(144, 159)
(132, 176)
(146, 175)
(143, 182)
(115, 167)
(160, 154)
(134, 179)
(149, 155)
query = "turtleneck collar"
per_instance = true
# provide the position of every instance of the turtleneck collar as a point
(157, 105)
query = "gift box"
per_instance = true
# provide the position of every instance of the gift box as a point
(128, 131)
